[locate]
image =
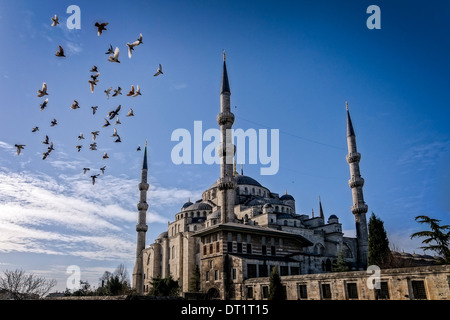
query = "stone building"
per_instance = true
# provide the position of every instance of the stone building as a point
(415, 283)
(239, 229)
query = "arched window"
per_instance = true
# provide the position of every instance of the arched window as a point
(173, 252)
(245, 190)
(285, 222)
(282, 209)
(259, 191)
(276, 208)
(253, 190)
(328, 265)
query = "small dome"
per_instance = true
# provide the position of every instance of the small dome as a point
(286, 197)
(333, 217)
(199, 206)
(163, 235)
(247, 180)
(187, 204)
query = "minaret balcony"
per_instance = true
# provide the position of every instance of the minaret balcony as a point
(225, 118)
(227, 183)
(141, 228)
(359, 208)
(142, 206)
(353, 157)
(143, 186)
(356, 182)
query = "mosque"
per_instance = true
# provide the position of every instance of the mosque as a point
(241, 229)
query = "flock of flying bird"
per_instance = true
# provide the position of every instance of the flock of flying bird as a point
(134, 92)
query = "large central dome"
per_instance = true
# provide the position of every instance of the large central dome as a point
(241, 180)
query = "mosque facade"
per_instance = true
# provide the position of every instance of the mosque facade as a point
(240, 229)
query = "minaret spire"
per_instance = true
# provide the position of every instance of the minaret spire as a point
(356, 183)
(226, 151)
(320, 209)
(141, 228)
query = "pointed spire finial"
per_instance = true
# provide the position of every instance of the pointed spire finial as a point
(320, 209)
(313, 212)
(225, 83)
(242, 169)
(346, 105)
(144, 164)
(350, 131)
(285, 191)
(234, 168)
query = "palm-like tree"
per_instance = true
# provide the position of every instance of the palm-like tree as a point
(438, 234)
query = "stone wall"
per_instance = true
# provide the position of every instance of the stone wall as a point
(429, 282)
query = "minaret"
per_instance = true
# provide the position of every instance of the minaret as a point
(356, 183)
(226, 151)
(141, 229)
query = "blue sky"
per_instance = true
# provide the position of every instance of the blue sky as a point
(291, 65)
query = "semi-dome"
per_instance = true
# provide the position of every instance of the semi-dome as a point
(247, 180)
(199, 206)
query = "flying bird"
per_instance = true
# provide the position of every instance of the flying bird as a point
(51, 147)
(115, 133)
(79, 147)
(110, 50)
(75, 105)
(60, 52)
(117, 91)
(130, 113)
(44, 104)
(103, 169)
(35, 129)
(94, 134)
(131, 92)
(45, 155)
(80, 137)
(94, 69)
(93, 178)
(138, 91)
(85, 170)
(138, 148)
(139, 40)
(118, 139)
(100, 27)
(55, 20)
(94, 109)
(159, 71)
(93, 146)
(46, 140)
(118, 121)
(130, 49)
(19, 147)
(107, 92)
(53, 123)
(113, 113)
(92, 84)
(105, 156)
(43, 91)
(106, 123)
(114, 57)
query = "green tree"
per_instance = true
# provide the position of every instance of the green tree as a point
(164, 287)
(276, 291)
(437, 239)
(116, 283)
(379, 253)
(195, 280)
(340, 265)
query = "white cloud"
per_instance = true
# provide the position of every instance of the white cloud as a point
(67, 215)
